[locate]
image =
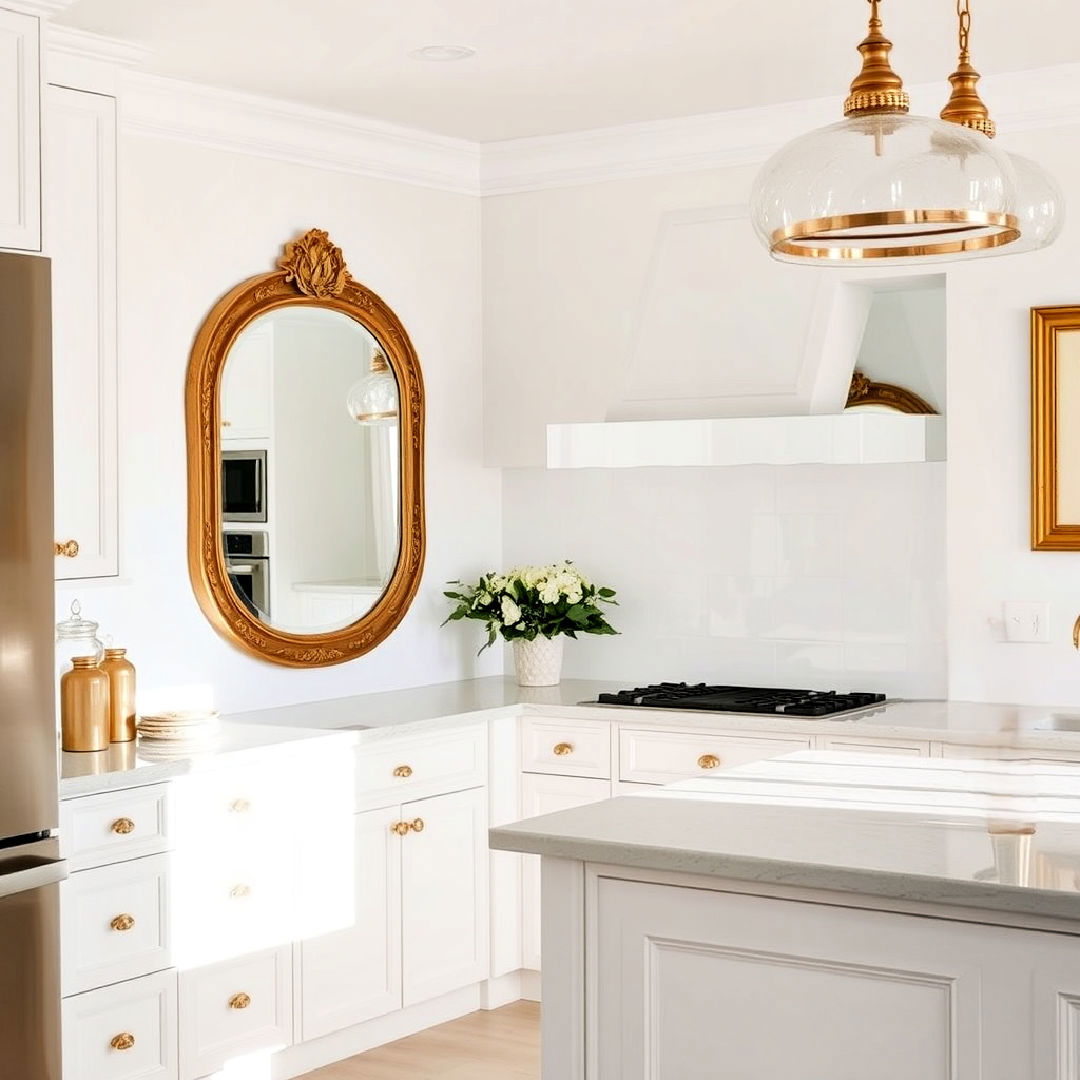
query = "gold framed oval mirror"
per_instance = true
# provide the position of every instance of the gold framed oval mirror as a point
(305, 427)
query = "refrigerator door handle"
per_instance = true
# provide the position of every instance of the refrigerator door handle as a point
(22, 877)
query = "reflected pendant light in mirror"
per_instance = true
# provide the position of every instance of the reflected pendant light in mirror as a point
(373, 400)
(883, 185)
(1040, 203)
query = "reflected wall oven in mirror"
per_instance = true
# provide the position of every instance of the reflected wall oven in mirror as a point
(335, 480)
(243, 485)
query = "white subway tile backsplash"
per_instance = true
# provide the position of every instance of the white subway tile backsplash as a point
(817, 576)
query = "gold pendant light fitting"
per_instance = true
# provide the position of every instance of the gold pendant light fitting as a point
(877, 88)
(965, 107)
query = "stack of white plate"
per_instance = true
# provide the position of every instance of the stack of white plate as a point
(178, 732)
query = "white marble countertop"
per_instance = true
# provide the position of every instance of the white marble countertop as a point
(135, 764)
(373, 717)
(991, 835)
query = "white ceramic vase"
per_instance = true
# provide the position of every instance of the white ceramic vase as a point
(538, 662)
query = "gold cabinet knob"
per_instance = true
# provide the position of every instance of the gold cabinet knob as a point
(239, 806)
(123, 922)
(67, 549)
(404, 771)
(226, 423)
(708, 761)
(562, 749)
(417, 824)
(400, 828)
(124, 1041)
(123, 826)
(240, 1001)
(238, 892)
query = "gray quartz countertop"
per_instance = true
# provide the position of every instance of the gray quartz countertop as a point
(993, 835)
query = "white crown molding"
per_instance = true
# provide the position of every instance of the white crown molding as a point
(44, 9)
(157, 107)
(97, 47)
(1021, 101)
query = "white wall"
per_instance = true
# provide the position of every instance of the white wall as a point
(564, 272)
(195, 221)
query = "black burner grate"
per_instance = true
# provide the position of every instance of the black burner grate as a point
(741, 699)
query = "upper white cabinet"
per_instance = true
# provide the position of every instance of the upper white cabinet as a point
(20, 132)
(247, 391)
(80, 238)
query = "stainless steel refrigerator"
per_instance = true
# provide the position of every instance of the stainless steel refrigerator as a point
(30, 864)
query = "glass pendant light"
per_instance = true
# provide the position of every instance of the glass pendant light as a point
(1040, 203)
(373, 400)
(883, 185)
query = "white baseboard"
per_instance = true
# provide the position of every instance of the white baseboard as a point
(530, 985)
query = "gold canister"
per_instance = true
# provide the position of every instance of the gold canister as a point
(121, 674)
(84, 706)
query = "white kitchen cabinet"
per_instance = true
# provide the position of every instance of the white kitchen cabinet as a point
(545, 795)
(444, 894)
(855, 744)
(687, 981)
(20, 131)
(80, 238)
(247, 387)
(354, 974)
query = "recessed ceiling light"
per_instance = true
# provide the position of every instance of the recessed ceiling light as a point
(443, 53)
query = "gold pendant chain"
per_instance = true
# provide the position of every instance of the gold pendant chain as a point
(963, 14)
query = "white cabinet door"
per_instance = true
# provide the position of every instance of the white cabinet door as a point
(545, 795)
(20, 132)
(352, 974)
(695, 984)
(80, 200)
(247, 389)
(444, 894)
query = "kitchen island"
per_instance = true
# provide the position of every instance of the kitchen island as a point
(817, 915)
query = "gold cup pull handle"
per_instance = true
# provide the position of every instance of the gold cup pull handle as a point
(123, 922)
(562, 749)
(123, 826)
(400, 828)
(417, 824)
(124, 1041)
(240, 1001)
(403, 771)
(708, 761)
(67, 549)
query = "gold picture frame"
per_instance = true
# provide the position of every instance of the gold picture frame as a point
(311, 273)
(1055, 446)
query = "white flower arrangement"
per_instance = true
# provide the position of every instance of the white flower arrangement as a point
(532, 601)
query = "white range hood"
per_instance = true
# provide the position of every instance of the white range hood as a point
(739, 360)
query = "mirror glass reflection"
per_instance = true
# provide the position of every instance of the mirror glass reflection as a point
(310, 469)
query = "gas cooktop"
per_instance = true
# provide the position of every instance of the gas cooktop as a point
(740, 699)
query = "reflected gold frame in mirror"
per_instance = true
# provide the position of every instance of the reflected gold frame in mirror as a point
(1049, 532)
(311, 273)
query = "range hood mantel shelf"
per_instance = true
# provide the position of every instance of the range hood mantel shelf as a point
(851, 438)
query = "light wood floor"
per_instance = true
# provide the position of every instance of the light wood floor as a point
(500, 1045)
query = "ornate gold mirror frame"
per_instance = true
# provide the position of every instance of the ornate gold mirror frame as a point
(1055, 428)
(312, 273)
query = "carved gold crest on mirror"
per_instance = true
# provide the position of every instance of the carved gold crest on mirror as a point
(305, 422)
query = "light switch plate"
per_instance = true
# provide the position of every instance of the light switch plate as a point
(1027, 622)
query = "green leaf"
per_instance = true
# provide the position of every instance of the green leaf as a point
(607, 594)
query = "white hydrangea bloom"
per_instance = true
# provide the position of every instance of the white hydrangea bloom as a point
(511, 613)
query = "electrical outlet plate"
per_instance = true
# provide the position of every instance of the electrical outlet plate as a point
(1027, 622)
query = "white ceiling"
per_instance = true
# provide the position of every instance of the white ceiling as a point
(562, 65)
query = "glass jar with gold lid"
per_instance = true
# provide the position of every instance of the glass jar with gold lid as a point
(76, 636)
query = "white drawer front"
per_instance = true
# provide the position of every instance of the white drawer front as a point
(115, 923)
(232, 904)
(566, 747)
(912, 748)
(419, 766)
(115, 825)
(1007, 753)
(233, 1009)
(123, 1032)
(662, 757)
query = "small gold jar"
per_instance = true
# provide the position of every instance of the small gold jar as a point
(121, 675)
(84, 706)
